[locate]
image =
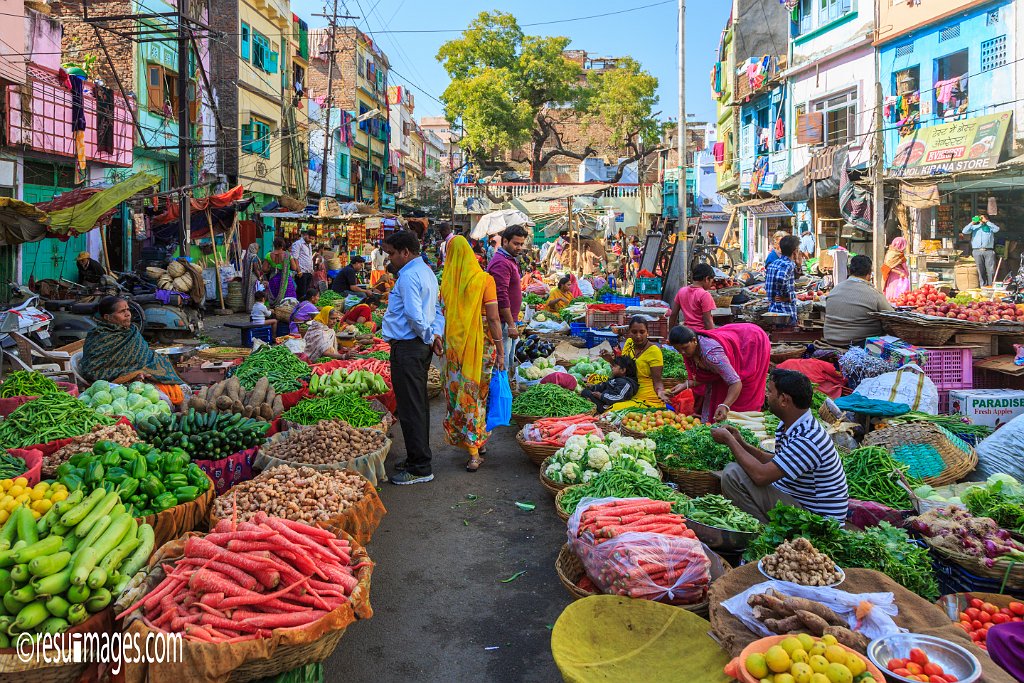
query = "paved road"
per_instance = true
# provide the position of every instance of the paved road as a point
(441, 552)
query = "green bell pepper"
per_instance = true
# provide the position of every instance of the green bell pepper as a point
(186, 494)
(116, 474)
(128, 487)
(94, 472)
(139, 468)
(103, 447)
(152, 486)
(72, 481)
(110, 459)
(165, 501)
(173, 481)
(80, 459)
(196, 477)
(65, 469)
(174, 462)
(153, 460)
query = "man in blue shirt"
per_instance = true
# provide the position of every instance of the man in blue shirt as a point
(983, 245)
(413, 326)
(780, 279)
(806, 242)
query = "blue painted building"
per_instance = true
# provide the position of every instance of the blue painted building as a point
(339, 163)
(763, 156)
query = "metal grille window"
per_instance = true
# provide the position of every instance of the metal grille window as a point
(992, 17)
(993, 53)
(904, 50)
(949, 33)
(839, 117)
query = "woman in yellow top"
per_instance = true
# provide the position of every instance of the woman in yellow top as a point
(649, 364)
(560, 295)
(322, 336)
(472, 348)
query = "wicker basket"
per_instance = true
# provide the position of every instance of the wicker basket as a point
(537, 453)
(1009, 575)
(921, 335)
(959, 462)
(570, 570)
(523, 420)
(694, 483)
(61, 668)
(550, 484)
(562, 514)
(784, 352)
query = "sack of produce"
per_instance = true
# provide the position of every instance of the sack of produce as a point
(328, 445)
(23, 386)
(255, 642)
(639, 548)
(231, 470)
(907, 385)
(336, 500)
(373, 365)
(57, 452)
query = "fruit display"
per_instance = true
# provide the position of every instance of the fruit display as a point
(137, 401)
(929, 301)
(918, 667)
(922, 296)
(724, 283)
(39, 498)
(204, 437)
(648, 422)
(343, 381)
(147, 479)
(800, 562)
(980, 616)
(808, 660)
(810, 296)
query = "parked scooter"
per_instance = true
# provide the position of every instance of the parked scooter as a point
(28, 318)
(168, 315)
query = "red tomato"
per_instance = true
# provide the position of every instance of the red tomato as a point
(990, 608)
(1017, 608)
(976, 603)
(931, 668)
(902, 671)
(894, 664)
(976, 625)
(915, 668)
(936, 679)
(984, 617)
(1000, 618)
(965, 626)
(949, 678)
(972, 612)
(1017, 619)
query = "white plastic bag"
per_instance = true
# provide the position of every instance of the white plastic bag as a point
(1000, 453)
(907, 385)
(521, 379)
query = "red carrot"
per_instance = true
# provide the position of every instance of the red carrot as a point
(289, 620)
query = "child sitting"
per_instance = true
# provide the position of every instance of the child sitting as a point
(622, 386)
(261, 314)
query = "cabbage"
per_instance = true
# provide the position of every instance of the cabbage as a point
(151, 393)
(100, 385)
(136, 402)
(137, 387)
(139, 416)
(163, 408)
(120, 406)
(105, 409)
(118, 391)
(102, 398)
(86, 399)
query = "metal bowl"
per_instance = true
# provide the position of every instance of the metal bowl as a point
(724, 540)
(953, 659)
(842, 575)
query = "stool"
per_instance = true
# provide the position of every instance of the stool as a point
(250, 331)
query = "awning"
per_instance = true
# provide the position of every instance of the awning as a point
(83, 217)
(200, 205)
(795, 188)
(565, 192)
(765, 208)
(20, 222)
(73, 197)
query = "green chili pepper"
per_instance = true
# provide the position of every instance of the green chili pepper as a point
(550, 400)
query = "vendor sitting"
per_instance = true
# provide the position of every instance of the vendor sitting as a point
(561, 296)
(805, 470)
(362, 313)
(622, 386)
(322, 336)
(90, 272)
(116, 352)
(848, 308)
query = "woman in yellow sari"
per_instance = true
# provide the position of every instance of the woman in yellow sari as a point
(560, 296)
(472, 348)
(322, 335)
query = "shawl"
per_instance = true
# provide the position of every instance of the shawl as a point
(111, 351)
(319, 339)
(895, 257)
(749, 351)
(462, 290)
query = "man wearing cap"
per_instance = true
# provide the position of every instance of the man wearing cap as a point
(983, 246)
(90, 272)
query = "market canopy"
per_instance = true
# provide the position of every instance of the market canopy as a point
(497, 221)
(566, 192)
(200, 205)
(20, 222)
(82, 217)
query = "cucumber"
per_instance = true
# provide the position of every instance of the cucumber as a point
(54, 584)
(71, 501)
(97, 578)
(78, 594)
(98, 600)
(47, 546)
(58, 606)
(76, 514)
(102, 508)
(138, 559)
(54, 625)
(49, 564)
(84, 562)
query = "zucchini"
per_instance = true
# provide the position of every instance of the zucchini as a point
(11, 605)
(96, 531)
(76, 514)
(9, 531)
(98, 512)
(113, 535)
(24, 594)
(112, 560)
(73, 499)
(77, 614)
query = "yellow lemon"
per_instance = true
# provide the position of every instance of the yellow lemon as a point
(767, 680)
(801, 672)
(837, 673)
(855, 664)
(756, 666)
(7, 483)
(16, 490)
(829, 639)
(4, 516)
(41, 505)
(818, 664)
(21, 498)
(835, 654)
(790, 644)
(819, 678)
(21, 481)
(35, 494)
(777, 659)
(784, 678)
(806, 641)
(818, 649)
(36, 515)
(799, 655)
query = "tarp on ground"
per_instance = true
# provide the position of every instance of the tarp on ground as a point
(199, 205)
(20, 222)
(82, 217)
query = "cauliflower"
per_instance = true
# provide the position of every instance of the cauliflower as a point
(553, 471)
(607, 466)
(647, 469)
(613, 437)
(576, 455)
(575, 441)
(570, 473)
(650, 445)
(598, 457)
(587, 476)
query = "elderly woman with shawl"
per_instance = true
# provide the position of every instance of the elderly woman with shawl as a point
(116, 352)
(472, 348)
(895, 273)
(322, 335)
(727, 368)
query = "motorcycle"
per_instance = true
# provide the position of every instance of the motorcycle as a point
(1015, 285)
(27, 319)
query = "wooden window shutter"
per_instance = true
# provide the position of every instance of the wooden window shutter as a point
(810, 128)
(155, 87)
(245, 49)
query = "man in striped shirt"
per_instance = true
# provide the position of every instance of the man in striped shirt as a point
(805, 470)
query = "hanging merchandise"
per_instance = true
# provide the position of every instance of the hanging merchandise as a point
(140, 225)
(78, 125)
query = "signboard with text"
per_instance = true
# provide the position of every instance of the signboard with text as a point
(974, 144)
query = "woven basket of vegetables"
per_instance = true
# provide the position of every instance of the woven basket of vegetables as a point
(210, 653)
(61, 668)
(694, 483)
(180, 519)
(329, 445)
(523, 420)
(934, 455)
(548, 400)
(537, 453)
(571, 573)
(559, 510)
(553, 486)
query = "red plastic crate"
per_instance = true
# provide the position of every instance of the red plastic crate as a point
(950, 368)
(601, 319)
(658, 328)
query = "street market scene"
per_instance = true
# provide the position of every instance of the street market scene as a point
(537, 365)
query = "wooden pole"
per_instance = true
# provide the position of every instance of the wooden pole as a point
(216, 264)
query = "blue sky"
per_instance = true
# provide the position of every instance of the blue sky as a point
(648, 35)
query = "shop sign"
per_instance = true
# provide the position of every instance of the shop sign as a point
(974, 144)
(714, 217)
(620, 217)
(769, 209)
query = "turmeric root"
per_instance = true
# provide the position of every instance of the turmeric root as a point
(783, 626)
(851, 639)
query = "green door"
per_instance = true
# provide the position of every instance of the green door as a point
(49, 258)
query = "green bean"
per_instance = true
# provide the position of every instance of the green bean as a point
(281, 367)
(718, 511)
(11, 466)
(871, 474)
(550, 400)
(349, 407)
(28, 383)
(55, 416)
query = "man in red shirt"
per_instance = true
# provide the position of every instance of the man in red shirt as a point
(695, 302)
(504, 268)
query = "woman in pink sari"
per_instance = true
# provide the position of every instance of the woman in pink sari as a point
(727, 368)
(895, 273)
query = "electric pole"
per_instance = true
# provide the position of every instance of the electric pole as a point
(329, 103)
(683, 242)
(878, 200)
(183, 130)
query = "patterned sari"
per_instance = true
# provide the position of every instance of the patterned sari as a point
(115, 353)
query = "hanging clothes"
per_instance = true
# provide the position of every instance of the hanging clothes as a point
(780, 129)
(719, 151)
(104, 119)
(78, 125)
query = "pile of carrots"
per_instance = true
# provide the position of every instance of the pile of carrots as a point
(243, 581)
(665, 562)
(555, 431)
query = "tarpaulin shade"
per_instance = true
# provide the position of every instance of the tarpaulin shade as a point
(74, 197)
(221, 217)
(216, 201)
(82, 217)
(20, 222)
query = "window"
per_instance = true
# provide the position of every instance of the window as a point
(343, 165)
(263, 56)
(256, 138)
(907, 110)
(993, 53)
(950, 87)
(839, 117)
(161, 86)
(810, 15)
(244, 50)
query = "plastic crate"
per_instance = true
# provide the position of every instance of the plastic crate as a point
(953, 578)
(950, 368)
(577, 329)
(594, 338)
(647, 285)
(658, 328)
(602, 319)
(624, 300)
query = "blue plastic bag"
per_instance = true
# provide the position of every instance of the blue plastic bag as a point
(499, 401)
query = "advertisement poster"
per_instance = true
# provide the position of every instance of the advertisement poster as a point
(974, 144)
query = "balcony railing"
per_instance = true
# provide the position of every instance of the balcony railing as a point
(624, 191)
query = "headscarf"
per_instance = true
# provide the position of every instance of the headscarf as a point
(324, 315)
(574, 287)
(895, 257)
(462, 291)
(112, 351)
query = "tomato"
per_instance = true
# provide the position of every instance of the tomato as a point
(1000, 618)
(894, 664)
(965, 627)
(934, 678)
(976, 625)
(990, 608)
(1017, 608)
(902, 671)
(972, 612)
(975, 603)
(915, 668)
(984, 617)
(1017, 619)
(931, 668)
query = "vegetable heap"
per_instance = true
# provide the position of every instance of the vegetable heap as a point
(301, 494)
(50, 417)
(243, 582)
(583, 457)
(260, 401)
(873, 474)
(550, 400)
(648, 422)
(718, 511)
(674, 366)
(533, 347)
(341, 381)
(148, 480)
(556, 431)
(281, 367)
(69, 563)
(1000, 498)
(536, 371)
(783, 614)
(39, 498)
(121, 434)
(328, 442)
(204, 437)
(136, 402)
(798, 561)
(583, 369)
(883, 548)
(621, 483)
(11, 466)
(958, 424)
(348, 407)
(956, 530)
(27, 383)
(694, 449)
(762, 424)
(977, 626)
(534, 300)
